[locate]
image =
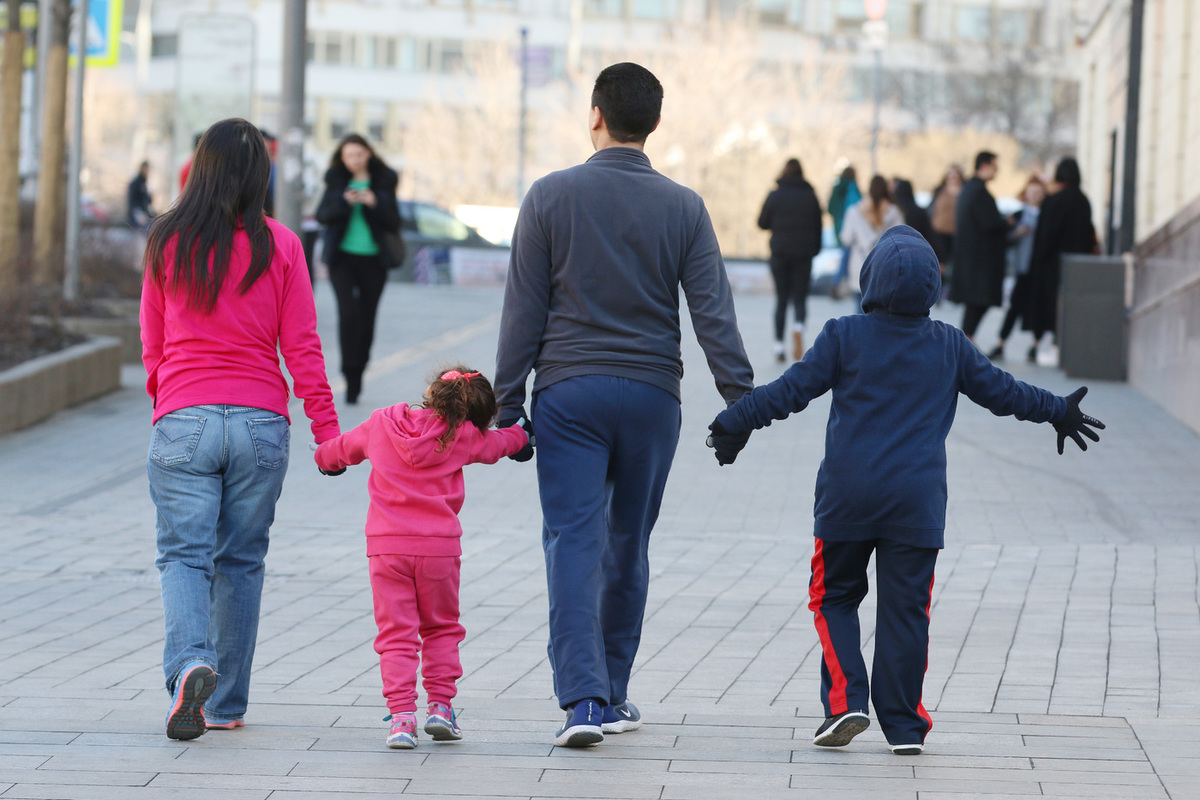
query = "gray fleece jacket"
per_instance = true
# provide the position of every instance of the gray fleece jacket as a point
(599, 253)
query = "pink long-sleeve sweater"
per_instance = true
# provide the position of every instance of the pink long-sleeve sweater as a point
(230, 356)
(416, 490)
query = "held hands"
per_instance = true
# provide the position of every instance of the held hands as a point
(1075, 422)
(332, 473)
(727, 445)
(526, 452)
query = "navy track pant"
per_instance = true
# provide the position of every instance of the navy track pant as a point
(904, 577)
(604, 449)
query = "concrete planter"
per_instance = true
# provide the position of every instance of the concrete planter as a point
(121, 322)
(38, 389)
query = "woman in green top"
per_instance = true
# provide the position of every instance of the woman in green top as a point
(358, 210)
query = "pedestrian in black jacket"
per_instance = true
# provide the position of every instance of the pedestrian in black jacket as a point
(792, 214)
(1064, 226)
(358, 210)
(980, 247)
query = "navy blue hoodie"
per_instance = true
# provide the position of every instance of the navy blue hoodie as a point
(895, 375)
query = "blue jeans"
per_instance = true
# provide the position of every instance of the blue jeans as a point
(215, 474)
(604, 450)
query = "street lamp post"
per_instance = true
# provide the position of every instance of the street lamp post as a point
(875, 33)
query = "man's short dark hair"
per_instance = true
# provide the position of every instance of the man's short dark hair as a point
(985, 157)
(630, 98)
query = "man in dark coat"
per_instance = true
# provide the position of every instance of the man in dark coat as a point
(980, 244)
(1064, 226)
(792, 213)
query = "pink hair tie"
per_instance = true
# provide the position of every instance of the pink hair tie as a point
(454, 375)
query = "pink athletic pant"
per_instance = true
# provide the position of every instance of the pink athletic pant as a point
(416, 608)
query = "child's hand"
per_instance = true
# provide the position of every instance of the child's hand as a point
(726, 444)
(313, 446)
(526, 452)
(1075, 422)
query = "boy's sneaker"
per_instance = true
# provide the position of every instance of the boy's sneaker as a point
(621, 718)
(441, 724)
(838, 731)
(908, 749)
(403, 735)
(195, 684)
(583, 726)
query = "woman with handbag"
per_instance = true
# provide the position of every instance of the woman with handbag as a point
(359, 211)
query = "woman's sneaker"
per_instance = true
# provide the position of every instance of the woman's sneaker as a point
(582, 727)
(441, 723)
(621, 718)
(195, 684)
(403, 735)
(838, 731)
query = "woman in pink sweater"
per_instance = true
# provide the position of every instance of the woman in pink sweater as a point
(226, 291)
(414, 537)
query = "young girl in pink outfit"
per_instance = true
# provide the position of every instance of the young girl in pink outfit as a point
(414, 537)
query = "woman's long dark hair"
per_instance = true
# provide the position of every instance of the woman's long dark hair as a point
(374, 163)
(226, 190)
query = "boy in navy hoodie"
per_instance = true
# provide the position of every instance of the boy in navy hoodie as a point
(895, 376)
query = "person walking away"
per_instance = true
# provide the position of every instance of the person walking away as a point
(225, 292)
(844, 196)
(414, 537)
(792, 214)
(358, 210)
(1021, 250)
(865, 222)
(591, 305)
(1065, 226)
(941, 216)
(915, 217)
(138, 200)
(980, 240)
(896, 376)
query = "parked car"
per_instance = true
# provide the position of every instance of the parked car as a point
(429, 233)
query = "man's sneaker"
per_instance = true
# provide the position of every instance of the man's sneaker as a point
(403, 735)
(441, 724)
(838, 731)
(908, 749)
(583, 726)
(195, 684)
(223, 724)
(621, 718)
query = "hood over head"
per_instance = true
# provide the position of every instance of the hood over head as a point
(901, 274)
(414, 432)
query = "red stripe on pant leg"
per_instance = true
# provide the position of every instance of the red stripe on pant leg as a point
(816, 595)
(921, 703)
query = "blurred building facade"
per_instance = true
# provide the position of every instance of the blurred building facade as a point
(996, 64)
(1164, 315)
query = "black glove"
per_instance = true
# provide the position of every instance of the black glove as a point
(727, 445)
(1075, 422)
(331, 472)
(526, 452)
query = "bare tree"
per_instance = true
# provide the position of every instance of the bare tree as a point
(49, 218)
(10, 152)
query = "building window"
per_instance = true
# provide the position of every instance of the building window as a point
(973, 23)
(780, 13)
(603, 8)
(653, 9)
(905, 19)
(450, 57)
(1015, 27)
(849, 14)
(497, 5)
(164, 45)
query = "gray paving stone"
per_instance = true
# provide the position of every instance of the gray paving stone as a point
(1065, 623)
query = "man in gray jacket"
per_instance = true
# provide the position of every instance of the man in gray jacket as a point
(591, 306)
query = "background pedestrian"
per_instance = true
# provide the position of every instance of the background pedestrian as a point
(865, 222)
(844, 196)
(138, 200)
(941, 215)
(980, 242)
(1021, 251)
(792, 214)
(358, 210)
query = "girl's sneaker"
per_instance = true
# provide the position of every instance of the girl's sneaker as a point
(404, 731)
(441, 724)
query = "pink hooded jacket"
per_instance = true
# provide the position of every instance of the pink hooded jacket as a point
(416, 491)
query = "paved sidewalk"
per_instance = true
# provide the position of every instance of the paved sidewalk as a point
(1065, 633)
